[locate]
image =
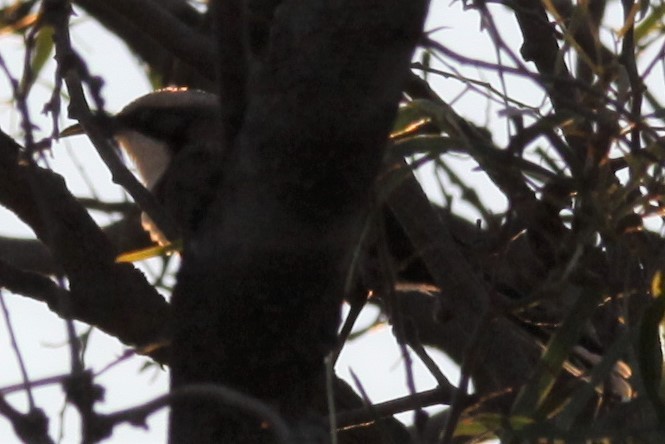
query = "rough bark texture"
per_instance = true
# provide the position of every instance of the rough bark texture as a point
(258, 296)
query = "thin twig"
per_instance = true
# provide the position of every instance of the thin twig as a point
(31, 427)
(628, 60)
(22, 105)
(17, 352)
(330, 397)
(57, 379)
(361, 417)
(369, 406)
(222, 395)
(159, 25)
(32, 285)
(357, 304)
(72, 68)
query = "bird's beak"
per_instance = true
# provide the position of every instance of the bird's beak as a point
(73, 130)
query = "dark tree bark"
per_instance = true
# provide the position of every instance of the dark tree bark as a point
(257, 302)
(114, 297)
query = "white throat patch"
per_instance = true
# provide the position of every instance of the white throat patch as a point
(150, 156)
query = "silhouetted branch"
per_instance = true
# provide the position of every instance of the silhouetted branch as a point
(223, 396)
(74, 72)
(361, 417)
(31, 427)
(32, 285)
(164, 25)
(114, 297)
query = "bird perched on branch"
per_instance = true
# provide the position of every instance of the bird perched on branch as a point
(172, 136)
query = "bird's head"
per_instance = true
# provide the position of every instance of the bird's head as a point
(156, 127)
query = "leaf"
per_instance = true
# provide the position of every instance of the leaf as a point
(629, 23)
(429, 144)
(535, 392)
(43, 49)
(649, 347)
(407, 116)
(41, 54)
(150, 252)
(650, 24)
(489, 423)
(580, 398)
(16, 17)
(413, 128)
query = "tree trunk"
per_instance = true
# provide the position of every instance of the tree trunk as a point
(256, 307)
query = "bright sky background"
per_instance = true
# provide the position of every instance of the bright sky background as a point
(42, 336)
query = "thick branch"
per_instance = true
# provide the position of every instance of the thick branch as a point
(147, 26)
(32, 285)
(114, 297)
(29, 255)
(32, 255)
(540, 47)
(463, 300)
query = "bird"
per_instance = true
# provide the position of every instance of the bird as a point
(172, 136)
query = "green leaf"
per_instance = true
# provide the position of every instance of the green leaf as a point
(41, 53)
(43, 50)
(650, 24)
(485, 424)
